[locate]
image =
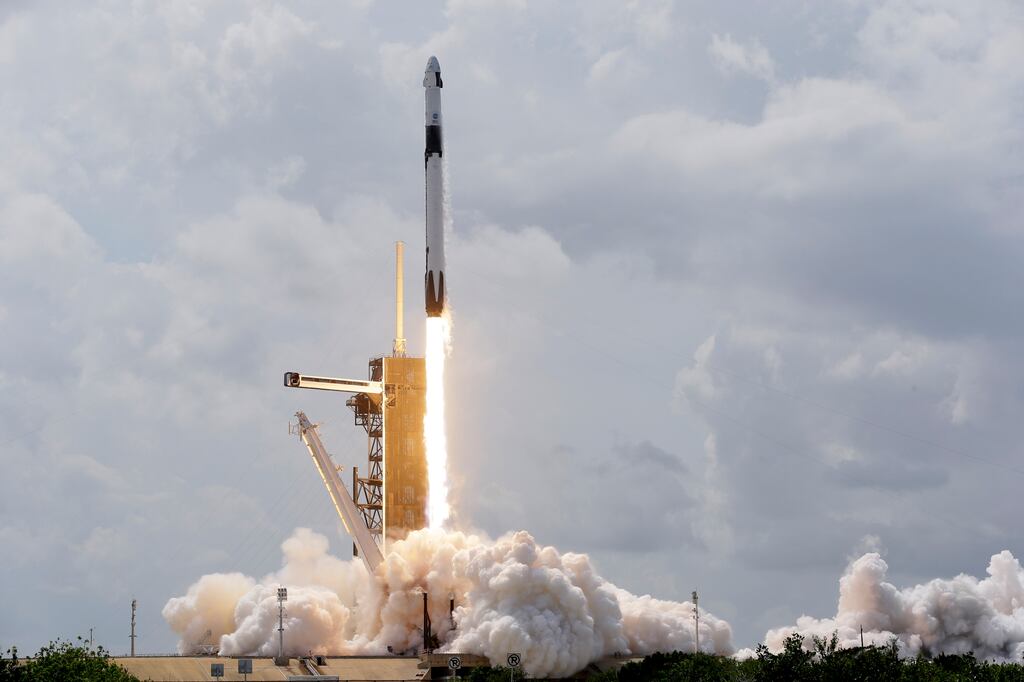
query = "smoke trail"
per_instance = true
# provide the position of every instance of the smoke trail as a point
(511, 595)
(943, 616)
(436, 440)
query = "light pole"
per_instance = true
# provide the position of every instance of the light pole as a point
(696, 625)
(282, 597)
(132, 636)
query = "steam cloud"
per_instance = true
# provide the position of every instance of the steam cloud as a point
(954, 616)
(511, 595)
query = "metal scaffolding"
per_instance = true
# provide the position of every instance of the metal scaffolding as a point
(369, 491)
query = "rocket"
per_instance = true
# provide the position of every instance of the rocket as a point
(434, 282)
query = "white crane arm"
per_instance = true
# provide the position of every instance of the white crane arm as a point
(343, 502)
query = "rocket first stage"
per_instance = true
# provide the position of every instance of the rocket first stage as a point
(434, 282)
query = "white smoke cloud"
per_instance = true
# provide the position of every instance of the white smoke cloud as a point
(512, 594)
(943, 616)
(208, 607)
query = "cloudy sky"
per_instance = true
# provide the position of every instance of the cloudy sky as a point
(738, 289)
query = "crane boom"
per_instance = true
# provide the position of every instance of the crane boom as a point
(343, 503)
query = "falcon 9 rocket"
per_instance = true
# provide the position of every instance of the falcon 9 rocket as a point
(436, 296)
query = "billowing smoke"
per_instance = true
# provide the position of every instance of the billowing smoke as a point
(954, 616)
(511, 595)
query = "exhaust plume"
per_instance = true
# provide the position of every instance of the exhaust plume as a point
(943, 616)
(511, 594)
(434, 436)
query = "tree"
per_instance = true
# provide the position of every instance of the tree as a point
(62, 660)
(9, 668)
(792, 664)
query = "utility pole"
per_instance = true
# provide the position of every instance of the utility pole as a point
(90, 638)
(696, 625)
(132, 636)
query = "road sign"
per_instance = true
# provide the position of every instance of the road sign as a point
(245, 666)
(454, 663)
(216, 670)
(514, 660)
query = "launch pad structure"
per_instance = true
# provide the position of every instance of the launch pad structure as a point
(391, 500)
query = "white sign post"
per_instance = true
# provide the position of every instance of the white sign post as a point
(513, 661)
(454, 663)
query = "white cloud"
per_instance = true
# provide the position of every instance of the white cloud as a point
(751, 59)
(850, 367)
(698, 378)
(653, 20)
(286, 173)
(902, 360)
(791, 152)
(248, 46)
(837, 453)
(13, 30)
(606, 66)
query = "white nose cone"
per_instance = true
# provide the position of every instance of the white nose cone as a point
(432, 74)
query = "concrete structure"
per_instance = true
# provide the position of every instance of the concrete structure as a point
(197, 668)
(369, 668)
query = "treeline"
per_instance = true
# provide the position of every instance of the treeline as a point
(62, 660)
(826, 663)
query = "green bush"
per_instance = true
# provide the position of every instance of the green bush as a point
(62, 660)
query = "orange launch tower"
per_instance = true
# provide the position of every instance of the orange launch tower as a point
(390, 405)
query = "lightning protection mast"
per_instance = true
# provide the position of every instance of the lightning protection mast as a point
(399, 348)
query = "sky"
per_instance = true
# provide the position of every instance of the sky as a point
(736, 287)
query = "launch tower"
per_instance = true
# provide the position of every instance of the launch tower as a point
(394, 495)
(391, 499)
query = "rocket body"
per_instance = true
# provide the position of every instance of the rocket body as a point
(436, 294)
